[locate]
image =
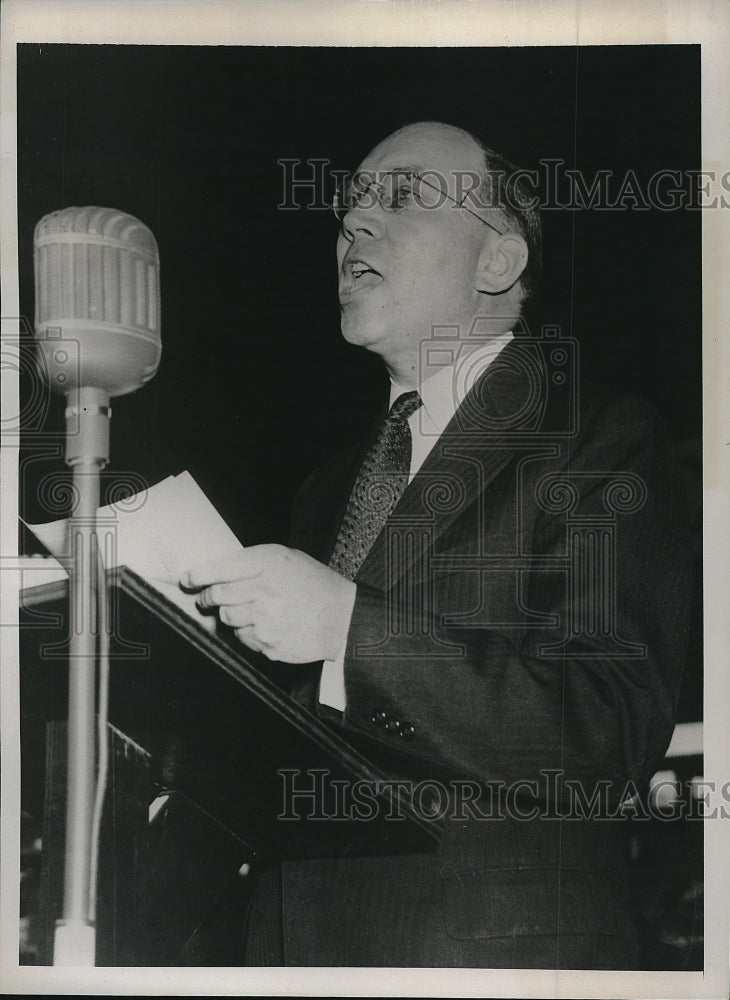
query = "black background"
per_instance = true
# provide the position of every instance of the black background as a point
(256, 386)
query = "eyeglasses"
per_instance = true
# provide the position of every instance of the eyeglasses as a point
(396, 191)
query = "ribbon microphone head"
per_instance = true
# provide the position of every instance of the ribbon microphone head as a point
(97, 300)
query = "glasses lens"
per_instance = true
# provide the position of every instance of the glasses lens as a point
(361, 191)
(392, 190)
(345, 199)
(398, 190)
(338, 204)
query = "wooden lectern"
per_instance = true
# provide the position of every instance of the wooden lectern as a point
(202, 743)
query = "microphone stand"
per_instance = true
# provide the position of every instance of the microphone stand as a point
(87, 452)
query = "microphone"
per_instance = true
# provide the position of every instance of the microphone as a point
(97, 323)
(97, 316)
(97, 284)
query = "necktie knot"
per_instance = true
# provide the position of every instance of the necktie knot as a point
(404, 406)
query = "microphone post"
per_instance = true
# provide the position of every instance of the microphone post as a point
(97, 286)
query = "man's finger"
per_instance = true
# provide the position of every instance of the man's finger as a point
(238, 615)
(240, 591)
(244, 564)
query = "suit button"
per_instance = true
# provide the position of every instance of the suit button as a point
(406, 731)
(392, 725)
(379, 717)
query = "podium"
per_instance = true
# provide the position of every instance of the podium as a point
(206, 748)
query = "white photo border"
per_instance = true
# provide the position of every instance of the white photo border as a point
(382, 23)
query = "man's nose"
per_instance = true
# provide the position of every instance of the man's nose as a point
(363, 220)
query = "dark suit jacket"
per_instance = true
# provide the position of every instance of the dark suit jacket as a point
(524, 611)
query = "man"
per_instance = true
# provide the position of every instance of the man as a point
(496, 584)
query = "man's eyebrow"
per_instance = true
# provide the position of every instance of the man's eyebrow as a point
(411, 169)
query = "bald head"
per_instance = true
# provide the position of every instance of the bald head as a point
(486, 181)
(438, 141)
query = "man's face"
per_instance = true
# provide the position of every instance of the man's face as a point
(402, 272)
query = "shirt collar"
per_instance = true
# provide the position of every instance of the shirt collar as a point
(443, 390)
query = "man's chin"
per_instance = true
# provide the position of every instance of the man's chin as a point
(361, 333)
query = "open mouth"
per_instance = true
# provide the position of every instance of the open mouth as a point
(357, 275)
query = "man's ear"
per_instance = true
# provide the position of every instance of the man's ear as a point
(501, 262)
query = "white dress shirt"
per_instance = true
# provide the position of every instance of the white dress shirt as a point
(442, 389)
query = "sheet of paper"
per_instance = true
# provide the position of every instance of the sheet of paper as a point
(158, 533)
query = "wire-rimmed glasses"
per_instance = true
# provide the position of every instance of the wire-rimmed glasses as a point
(393, 191)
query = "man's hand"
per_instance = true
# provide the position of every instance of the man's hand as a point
(279, 601)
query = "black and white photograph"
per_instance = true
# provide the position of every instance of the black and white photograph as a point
(361, 462)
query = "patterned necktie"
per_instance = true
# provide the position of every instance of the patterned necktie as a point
(380, 482)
